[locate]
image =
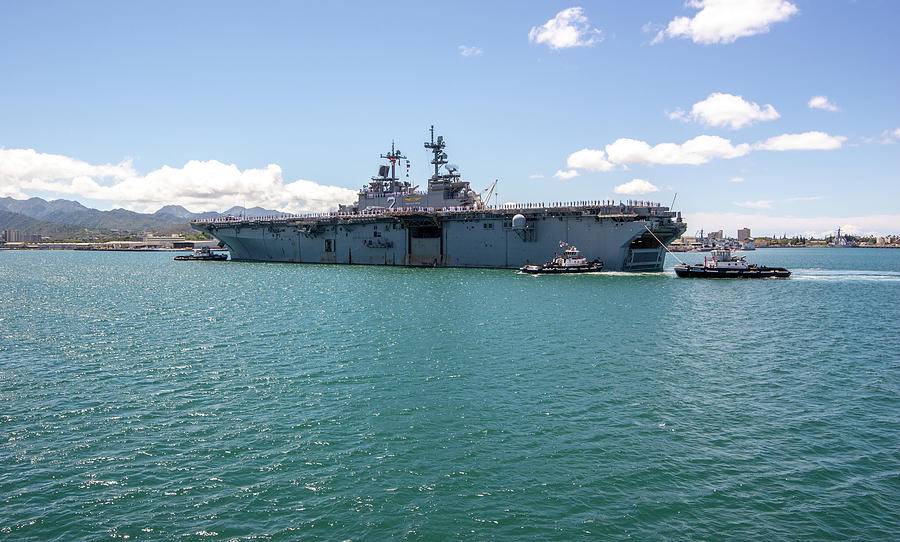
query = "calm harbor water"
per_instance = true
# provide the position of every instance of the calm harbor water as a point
(150, 399)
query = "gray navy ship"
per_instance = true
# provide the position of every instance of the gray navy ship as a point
(452, 225)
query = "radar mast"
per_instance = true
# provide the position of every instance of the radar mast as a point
(448, 183)
(394, 156)
(387, 181)
(440, 159)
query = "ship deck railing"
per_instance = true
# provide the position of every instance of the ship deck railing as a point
(377, 195)
(605, 208)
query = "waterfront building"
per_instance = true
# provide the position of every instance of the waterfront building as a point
(13, 236)
(170, 241)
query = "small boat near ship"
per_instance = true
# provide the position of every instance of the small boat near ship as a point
(723, 265)
(572, 261)
(203, 254)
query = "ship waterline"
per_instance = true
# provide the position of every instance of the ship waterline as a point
(450, 225)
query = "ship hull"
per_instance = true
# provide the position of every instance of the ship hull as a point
(477, 239)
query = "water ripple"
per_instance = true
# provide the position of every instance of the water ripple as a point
(140, 398)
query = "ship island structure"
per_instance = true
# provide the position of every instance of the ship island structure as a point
(451, 225)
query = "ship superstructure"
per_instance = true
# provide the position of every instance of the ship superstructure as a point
(387, 191)
(451, 225)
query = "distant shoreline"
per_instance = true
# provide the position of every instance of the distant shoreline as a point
(82, 247)
(55, 246)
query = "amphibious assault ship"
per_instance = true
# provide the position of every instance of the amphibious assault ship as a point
(451, 225)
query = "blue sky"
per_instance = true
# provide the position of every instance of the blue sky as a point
(288, 104)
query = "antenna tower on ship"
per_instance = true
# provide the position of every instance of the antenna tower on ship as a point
(394, 156)
(440, 159)
(437, 148)
(387, 180)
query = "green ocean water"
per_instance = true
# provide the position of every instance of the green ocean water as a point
(144, 398)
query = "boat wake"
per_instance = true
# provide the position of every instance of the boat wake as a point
(846, 275)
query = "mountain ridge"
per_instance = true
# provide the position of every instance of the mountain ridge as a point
(62, 212)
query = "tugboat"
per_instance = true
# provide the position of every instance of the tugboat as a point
(570, 262)
(203, 254)
(723, 265)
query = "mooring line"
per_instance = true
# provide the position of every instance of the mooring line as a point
(663, 244)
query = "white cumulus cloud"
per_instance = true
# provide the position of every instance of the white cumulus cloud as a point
(698, 150)
(758, 204)
(636, 187)
(199, 185)
(589, 159)
(807, 141)
(17, 165)
(821, 102)
(724, 21)
(470, 51)
(887, 137)
(565, 175)
(569, 28)
(726, 110)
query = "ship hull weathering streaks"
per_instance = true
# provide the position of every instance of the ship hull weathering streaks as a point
(451, 225)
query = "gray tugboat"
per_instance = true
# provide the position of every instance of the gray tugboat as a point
(203, 255)
(451, 225)
(721, 264)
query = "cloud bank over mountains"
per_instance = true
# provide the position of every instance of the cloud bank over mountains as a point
(198, 185)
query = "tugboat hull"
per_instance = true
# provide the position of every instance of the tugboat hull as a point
(699, 271)
(204, 255)
(554, 270)
(213, 258)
